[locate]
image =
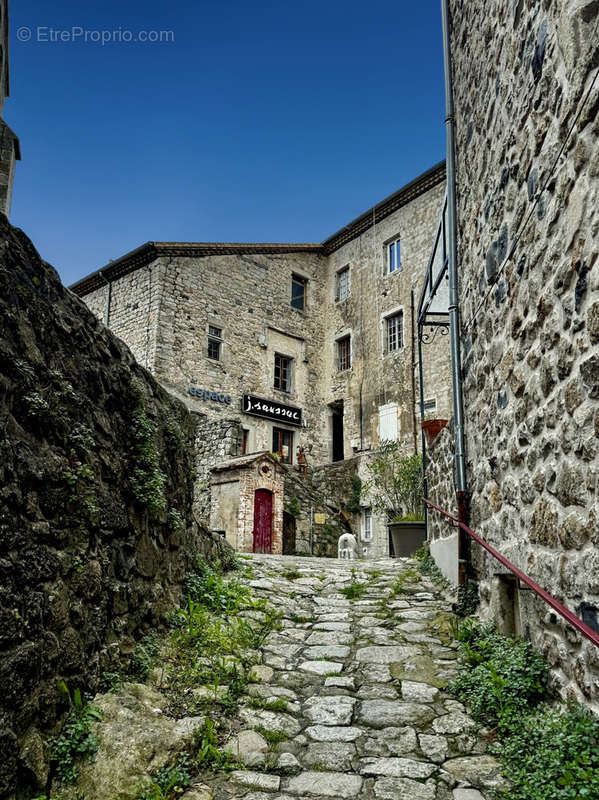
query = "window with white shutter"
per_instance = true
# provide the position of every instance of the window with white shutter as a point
(388, 423)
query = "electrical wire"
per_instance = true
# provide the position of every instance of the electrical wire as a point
(539, 194)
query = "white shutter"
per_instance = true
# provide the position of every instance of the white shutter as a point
(388, 423)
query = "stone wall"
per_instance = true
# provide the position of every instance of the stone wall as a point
(529, 287)
(442, 536)
(96, 476)
(215, 442)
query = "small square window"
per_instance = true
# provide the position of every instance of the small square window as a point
(394, 340)
(298, 292)
(430, 407)
(282, 443)
(282, 380)
(215, 336)
(344, 353)
(394, 256)
(343, 287)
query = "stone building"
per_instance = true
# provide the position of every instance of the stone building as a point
(526, 91)
(10, 149)
(303, 350)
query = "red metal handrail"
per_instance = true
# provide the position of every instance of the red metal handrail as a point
(575, 621)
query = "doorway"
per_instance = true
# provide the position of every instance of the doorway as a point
(288, 534)
(337, 430)
(262, 521)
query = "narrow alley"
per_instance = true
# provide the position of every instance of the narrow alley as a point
(352, 693)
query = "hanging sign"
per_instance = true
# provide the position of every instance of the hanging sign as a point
(270, 409)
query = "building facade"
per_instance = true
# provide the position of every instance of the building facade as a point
(302, 350)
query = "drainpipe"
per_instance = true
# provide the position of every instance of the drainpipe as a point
(413, 369)
(454, 311)
(108, 294)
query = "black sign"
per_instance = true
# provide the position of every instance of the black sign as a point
(269, 409)
(205, 394)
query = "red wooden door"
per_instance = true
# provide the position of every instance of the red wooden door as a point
(262, 521)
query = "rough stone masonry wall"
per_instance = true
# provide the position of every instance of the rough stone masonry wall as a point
(216, 441)
(531, 361)
(84, 567)
(440, 482)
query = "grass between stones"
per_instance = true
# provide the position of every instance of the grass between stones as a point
(548, 751)
(206, 658)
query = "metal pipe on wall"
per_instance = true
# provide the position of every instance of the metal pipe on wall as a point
(454, 311)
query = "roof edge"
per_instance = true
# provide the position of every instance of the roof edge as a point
(147, 253)
(419, 186)
(150, 251)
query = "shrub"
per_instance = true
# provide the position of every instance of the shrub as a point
(204, 585)
(552, 754)
(75, 742)
(499, 678)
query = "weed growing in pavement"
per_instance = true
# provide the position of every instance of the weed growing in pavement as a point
(206, 586)
(274, 738)
(355, 590)
(208, 750)
(398, 587)
(279, 704)
(169, 782)
(292, 574)
(214, 641)
(299, 620)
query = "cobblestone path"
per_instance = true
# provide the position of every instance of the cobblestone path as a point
(360, 711)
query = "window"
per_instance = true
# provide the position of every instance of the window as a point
(282, 373)
(367, 534)
(215, 341)
(342, 288)
(394, 325)
(282, 443)
(298, 292)
(344, 353)
(430, 407)
(245, 438)
(393, 256)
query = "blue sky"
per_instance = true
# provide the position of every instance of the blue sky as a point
(262, 121)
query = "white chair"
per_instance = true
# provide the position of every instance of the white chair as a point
(347, 547)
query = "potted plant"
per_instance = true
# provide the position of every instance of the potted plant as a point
(395, 489)
(432, 427)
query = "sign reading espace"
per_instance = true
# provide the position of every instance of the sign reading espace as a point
(206, 394)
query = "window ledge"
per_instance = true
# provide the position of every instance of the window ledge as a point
(392, 353)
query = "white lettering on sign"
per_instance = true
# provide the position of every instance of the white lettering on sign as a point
(271, 410)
